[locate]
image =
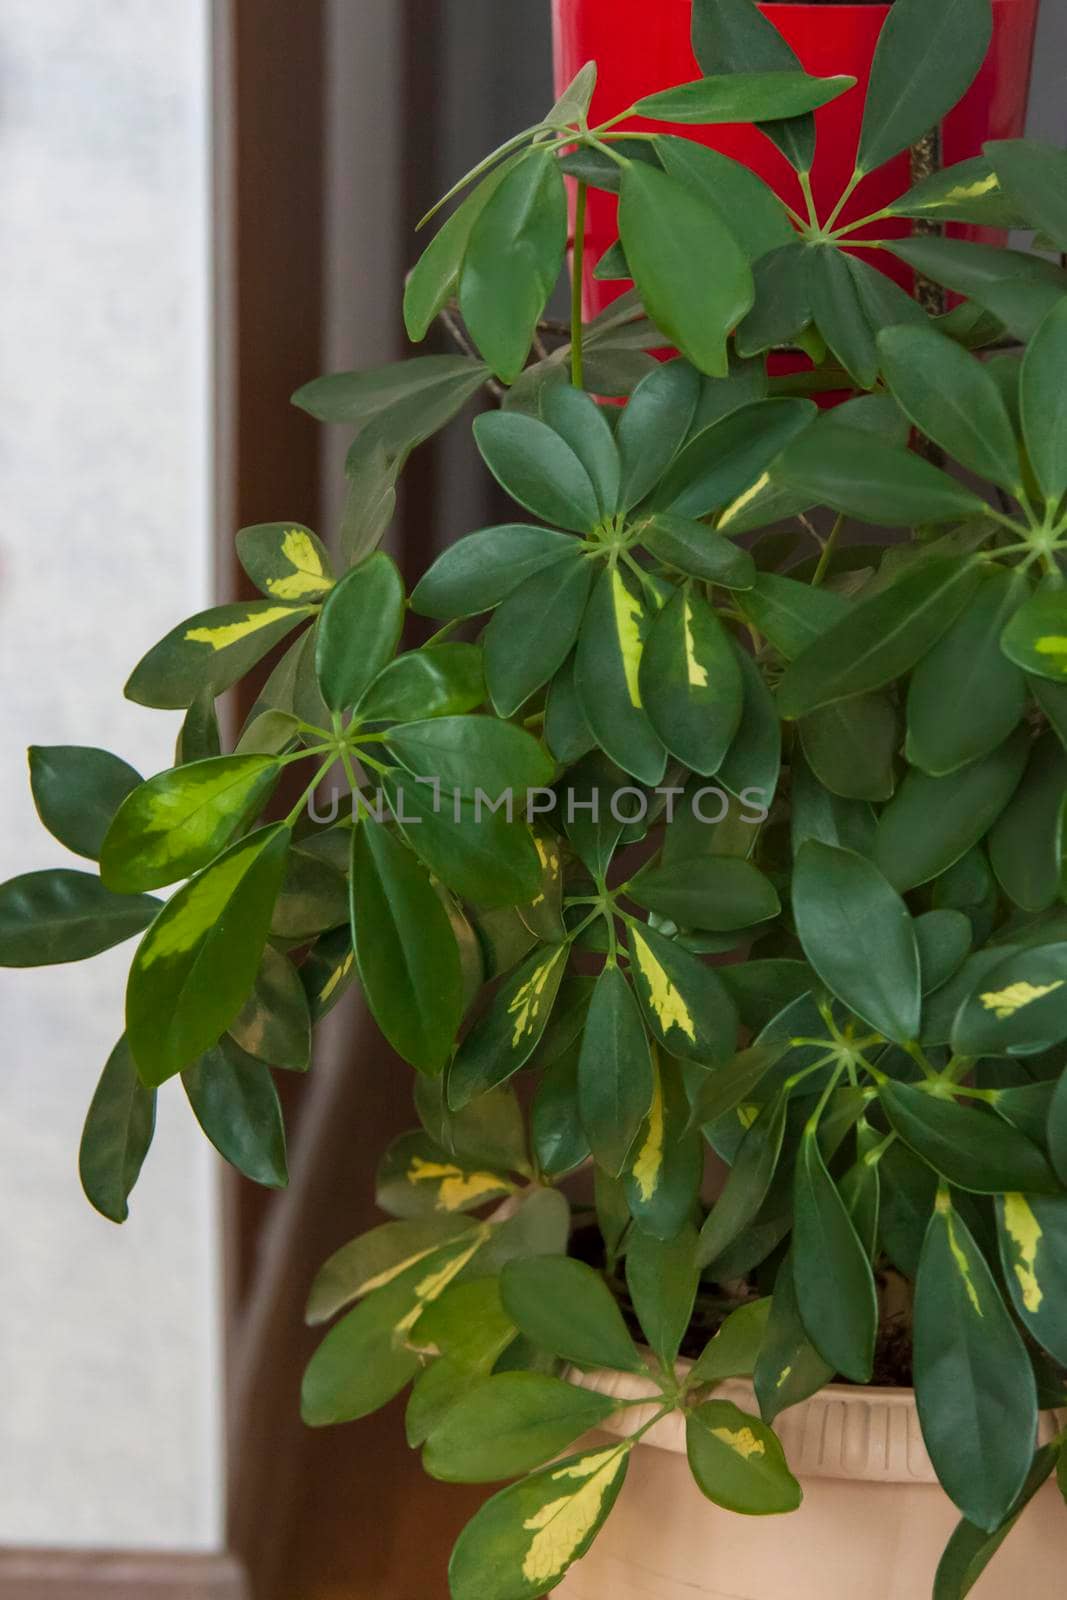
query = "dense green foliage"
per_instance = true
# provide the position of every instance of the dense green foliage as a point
(782, 869)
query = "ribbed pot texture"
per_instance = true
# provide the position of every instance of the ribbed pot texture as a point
(872, 1526)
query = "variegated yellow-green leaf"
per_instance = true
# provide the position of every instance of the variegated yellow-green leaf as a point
(274, 1024)
(1036, 637)
(417, 1178)
(1033, 1249)
(196, 965)
(688, 1007)
(738, 1462)
(180, 820)
(506, 1036)
(608, 674)
(467, 1325)
(376, 1259)
(209, 652)
(667, 1160)
(690, 682)
(328, 971)
(520, 1544)
(285, 561)
(1019, 1004)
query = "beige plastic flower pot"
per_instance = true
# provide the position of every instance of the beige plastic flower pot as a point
(872, 1525)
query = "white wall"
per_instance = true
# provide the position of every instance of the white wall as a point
(109, 1338)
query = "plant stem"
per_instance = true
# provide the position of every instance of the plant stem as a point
(443, 633)
(809, 198)
(577, 274)
(827, 551)
(846, 195)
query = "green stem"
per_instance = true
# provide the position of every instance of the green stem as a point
(827, 552)
(861, 222)
(812, 1125)
(577, 274)
(306, 796)
(809, 198)
(846, 195)
(443, 633)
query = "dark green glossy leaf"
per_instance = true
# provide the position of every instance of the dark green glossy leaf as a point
(1034, 175)
(754, 759)
(538, 469)
(720, 893)
(58, 915)
(405, 949)
(77, 791)
(472, 753)
(405, 401)
(851, 746)
(757, 218)
(117, 1133)
(782, 307)
(791, 615)
(972, 1149)
(475, 850)
(788, 1369)
(199, 737)
(734, 36)
(693, 548)
(1044, 405)
(723, 1091)
(615, 1077)
(734, 1350)
(236, 1104)
(973, 1381)
(743, 97)
(670, 237)
(881, 637)
(662, 1278)
(328, 971)
(930, 823)
(944, 940)
(608, 675)
(359, 630)
(872, 481)
(532, 633)
(653, 428)
(208, 653)
(858, 935)
(729, 454)
(432, 281)
(967, 191)
(748, 1183)
(971, 1549)
(479, 571)
(965, 696)
(831, 1270)
(923, 64)
(509, 1424)
(567, 734)
(578, 419)
(738, 1462)
(566, 1307)
(363, 1361)
(556, 1131)
(839, 314)
(1020, 290)
(442, 680)
(689, 682)
(1026, 847)
(196, 966)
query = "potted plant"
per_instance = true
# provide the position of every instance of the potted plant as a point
(719, 813)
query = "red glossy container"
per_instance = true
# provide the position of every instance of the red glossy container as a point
(642, 46)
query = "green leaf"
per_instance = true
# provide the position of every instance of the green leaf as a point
(738, 1462)
(440, 680)
(199, 737)
(1019, 290)
(782, 307)
(662, 1278)
(1026, 847)
(965, 697)
(581, 421)
(479, 571)
(179, 821)
(538, 469)
(734, 1350)
(476, 851)
(507, 1034)
(523, 1540)
(1018, 1007)
(1034, 176)
(971, 1549)
(851, 746)
(881, 638)
(753, 761)
(402, 404)
(405, 949)
(417, 1178)
(58, 915)
(967, 191)
(686, 1005)
(1033, 1252)
(729, 455)
(693, 548)
(930, 823)
(77, 791)
(489, 1130)
(467, 1325)
(432, 281)
(734, 36)
(236, 1104)
(746, 1187)
(196, 966)
(285, 561)
(274, 1025)
(564, 1306)
(615, 1077)
(363, 1361)
(532, 633)
(948, 393)
(758, 220)
(723, 1091)
(359, 630)
(608, 676)
(972, 1149)
(791, 615)
(313, 897)
(513, 258)
(839, 314)
(666, 1160)
(671, 237)
(208, 653)
(509, 1424)
(556, 1131)
(327, 971)
(974, 1384)
(117, 1133)
(1057, 1131)
(743, 97)
(788, 1368)
(567, 734)
(944, 940)
(370, 502)
(376, 1258)
(1036, 636)
(922, 66)
(720, 893)
(689, 681)
(653, 427)
(472, 753)
(831, 1270)
(870, 480)
(1044, 405)
(858, 935)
